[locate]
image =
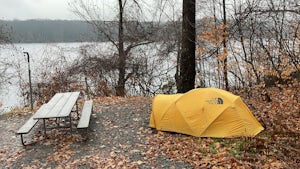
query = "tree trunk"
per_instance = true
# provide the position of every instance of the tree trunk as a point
(187, 61)
(120, 88)
(178, 57)
(218, 78)
(225, 74)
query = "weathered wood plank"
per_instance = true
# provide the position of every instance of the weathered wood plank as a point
(50, 105)
(32, 121)
(85, 114)
(57, 106)
(27, 126)
(67, 108)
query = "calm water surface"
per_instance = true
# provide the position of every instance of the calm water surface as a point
(40, 55)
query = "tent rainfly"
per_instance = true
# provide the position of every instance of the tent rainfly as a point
(204, 112)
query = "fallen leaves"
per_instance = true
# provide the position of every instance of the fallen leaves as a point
(276, 147)
(119, 137)
(105, 162)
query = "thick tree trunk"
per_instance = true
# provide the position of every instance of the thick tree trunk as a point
(187, 61)
(120, 88)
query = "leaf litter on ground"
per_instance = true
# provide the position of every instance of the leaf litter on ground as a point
(119, 137)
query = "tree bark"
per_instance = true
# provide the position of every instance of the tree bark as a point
(120, 88)
(187, 58)
(225, 73)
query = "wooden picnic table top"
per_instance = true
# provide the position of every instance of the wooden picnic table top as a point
(60, 105)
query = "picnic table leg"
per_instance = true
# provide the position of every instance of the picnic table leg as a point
(77, 109)
(70, 123)
(44, 120)
(22, 140)
(57, 121)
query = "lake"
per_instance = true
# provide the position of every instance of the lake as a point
(14, 55)
(41, 55)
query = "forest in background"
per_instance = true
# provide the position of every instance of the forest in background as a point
(57, 31)
(49, 31)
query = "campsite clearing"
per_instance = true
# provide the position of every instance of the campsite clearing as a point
(119, 136)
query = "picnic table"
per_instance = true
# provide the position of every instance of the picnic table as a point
(59, 107)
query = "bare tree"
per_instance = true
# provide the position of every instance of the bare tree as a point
(267, 32)
(4, 64)
(125, 34)
(262, 41)
(224, 41)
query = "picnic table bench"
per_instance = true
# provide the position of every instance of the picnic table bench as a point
(84, 120)
(60, 106)
(85, 115)
(25, 129)
(30, 123)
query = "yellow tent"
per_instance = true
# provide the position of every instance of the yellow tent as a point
(204, 112)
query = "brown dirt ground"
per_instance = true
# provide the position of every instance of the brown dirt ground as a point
(119, 137)
(116, 138)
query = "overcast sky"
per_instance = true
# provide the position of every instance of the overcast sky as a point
(57, 9)
(35, 9)
(47, 9)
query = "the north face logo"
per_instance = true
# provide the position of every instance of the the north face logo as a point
(220, 101)
(215, 101)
